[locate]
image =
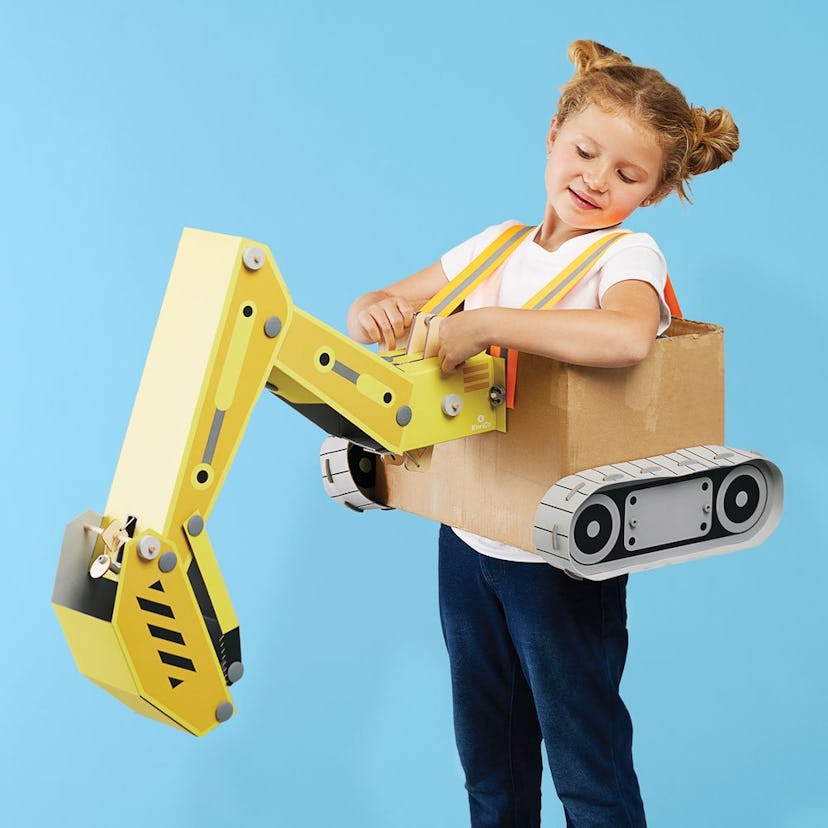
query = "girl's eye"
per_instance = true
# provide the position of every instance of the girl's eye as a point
(625, 178)
(583, 153)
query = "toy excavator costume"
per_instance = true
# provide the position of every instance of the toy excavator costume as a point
(138, 590)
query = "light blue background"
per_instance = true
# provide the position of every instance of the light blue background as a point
(359, 141)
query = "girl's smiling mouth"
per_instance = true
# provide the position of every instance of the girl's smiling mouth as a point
(582, 201)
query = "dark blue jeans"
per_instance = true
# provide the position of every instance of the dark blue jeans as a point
(535, 654)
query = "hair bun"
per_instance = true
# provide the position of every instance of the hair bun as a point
(589, 56)
(717, 139)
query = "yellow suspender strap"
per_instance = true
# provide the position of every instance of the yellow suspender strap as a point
(476, 272)
(549, 296)
(484, 265)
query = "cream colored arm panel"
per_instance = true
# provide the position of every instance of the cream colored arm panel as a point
(166, 638)
(207, 364)
(139, 592)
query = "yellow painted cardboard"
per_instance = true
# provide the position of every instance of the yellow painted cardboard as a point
(227, 329)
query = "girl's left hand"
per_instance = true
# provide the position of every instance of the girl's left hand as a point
(461, 336)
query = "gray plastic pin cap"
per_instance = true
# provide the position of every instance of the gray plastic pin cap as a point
(195, 525)
(235, 671)
(272, 327)
(224, 711)
(403, 415)
(167, 562)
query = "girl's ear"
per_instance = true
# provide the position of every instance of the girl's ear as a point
(658, 195)
(553, 131)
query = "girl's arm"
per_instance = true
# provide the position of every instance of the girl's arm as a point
(619, 334)
(386, 314)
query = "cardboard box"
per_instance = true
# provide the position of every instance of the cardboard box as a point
(568, 418)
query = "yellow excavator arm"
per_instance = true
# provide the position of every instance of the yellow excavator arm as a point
(138, 591)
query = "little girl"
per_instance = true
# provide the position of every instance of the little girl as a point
(535, 654)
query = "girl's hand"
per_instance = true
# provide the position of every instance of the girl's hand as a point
(462, 336)
(385, 319)
(385, 315)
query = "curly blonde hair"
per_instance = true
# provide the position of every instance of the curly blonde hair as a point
(693, 140)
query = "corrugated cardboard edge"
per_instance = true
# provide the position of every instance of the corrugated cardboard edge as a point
(568, 418)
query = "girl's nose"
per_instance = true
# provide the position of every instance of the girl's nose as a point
(595, 179)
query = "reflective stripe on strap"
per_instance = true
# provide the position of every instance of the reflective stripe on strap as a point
(485, 264)
(549, 296)
(476, 272)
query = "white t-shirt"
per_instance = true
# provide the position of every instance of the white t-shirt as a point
(531, 267)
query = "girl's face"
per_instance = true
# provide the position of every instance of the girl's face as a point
(600, 168)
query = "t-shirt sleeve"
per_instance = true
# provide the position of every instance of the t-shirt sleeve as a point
(640, 260)
(457, 258)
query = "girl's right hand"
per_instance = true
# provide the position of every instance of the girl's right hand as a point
(385, 315)
(384, 318)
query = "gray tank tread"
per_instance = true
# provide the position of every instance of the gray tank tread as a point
(351, 496)
(545, 543)
(595, 475)
(551, 532)
(580, 486)
(633, 471)
(334, 464)
(331, 444)
(338, 480)
(575, 487)
(337, 484)
(589, 480)
(356, 501)
(334, 457)
(344, 490)
(559, 507)
(684, 462)
(547, 517)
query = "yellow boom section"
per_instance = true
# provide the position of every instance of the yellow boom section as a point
(139, 592)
